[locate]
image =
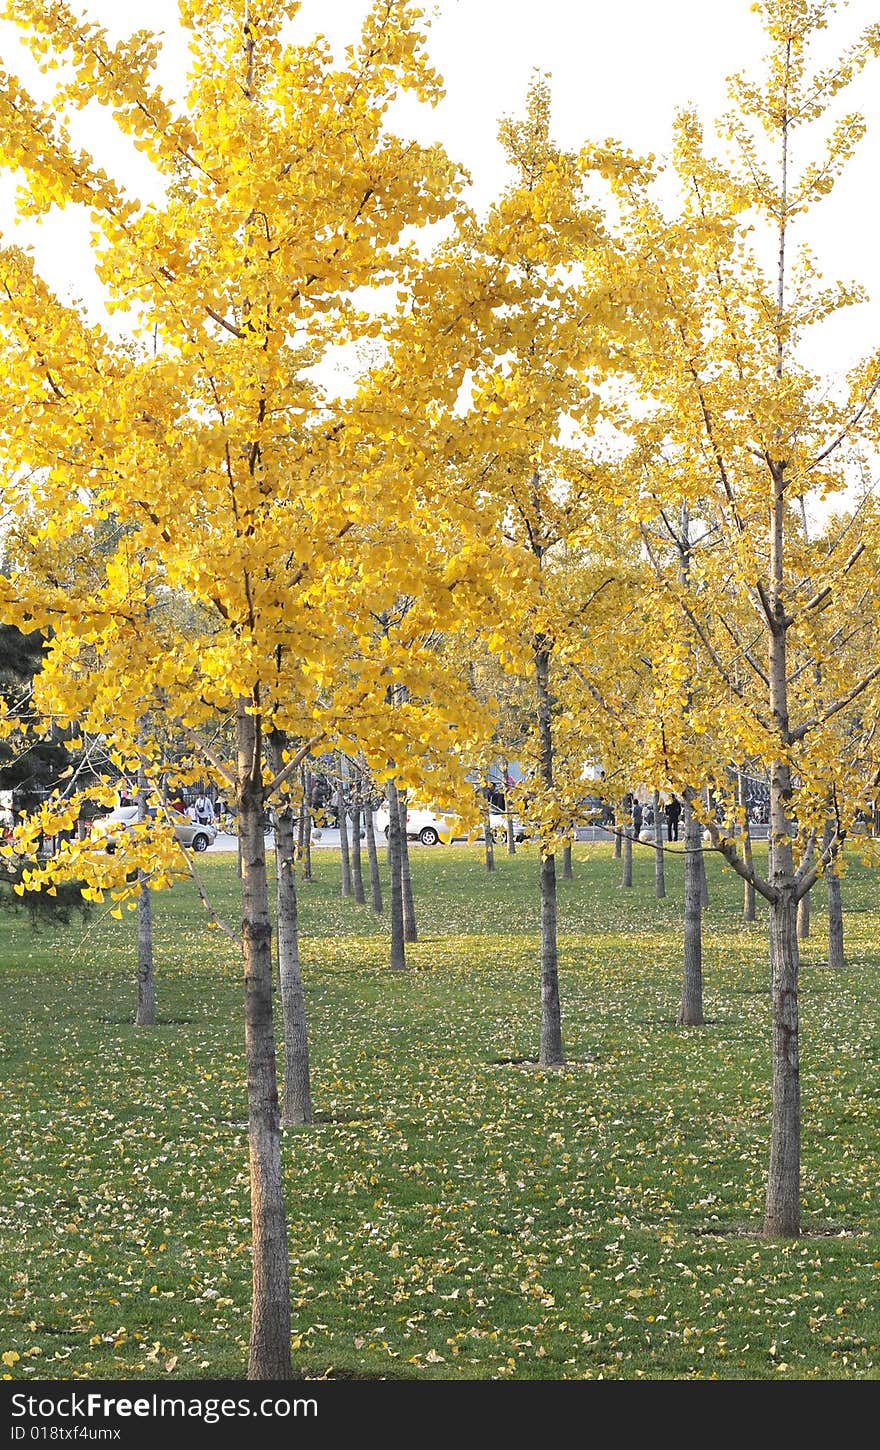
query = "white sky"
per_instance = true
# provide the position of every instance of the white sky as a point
(618, 68)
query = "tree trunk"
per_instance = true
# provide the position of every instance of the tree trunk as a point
(782, 1215)
(305, 832)
(659, 862)
(270, 1322)
(146, 998)
(490, 844)
(410, 930)
(748, 889)
(701, 866)
(567, 871)
(835, 905)
(146, 982)
(803, 909)
(303, 819)
(690, 1012)
(373, 857)
(626, 878)
(357, 873)
(296, 1100)
(398, 950)
(511, 839)
(342, 822)
(551, 1012)
(803, 917)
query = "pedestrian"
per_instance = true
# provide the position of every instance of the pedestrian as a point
(673, 815)
(637, 814)
(204, 810)
(320, 798)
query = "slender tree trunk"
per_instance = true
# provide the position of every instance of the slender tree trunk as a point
(342, 822)
(398, 950)
(835, 906)
(690, 1012)
(803, 909)
(270, 1323)
(490, 844)
(782, 1212)
(749, 912)
(410, 930)
(626, 878)
(701, 867)
(551, 1013)
(146, 999)
(304, 821)
(146, 981)
(296, 1101)
(303, 827)
(304, 850)
(567, 869)
(357, 872)
(835, 922)
(511, 838)
(373, 856)
(307, 840)
(803, 917)
(748, 888)
(782, 1215)
(659, 862)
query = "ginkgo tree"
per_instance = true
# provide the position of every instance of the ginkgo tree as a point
(240, 478)
(749, 436)
(527, 297)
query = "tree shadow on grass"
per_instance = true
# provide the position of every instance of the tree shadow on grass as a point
(533, 1062)
(756, 1231)
(159, 1022)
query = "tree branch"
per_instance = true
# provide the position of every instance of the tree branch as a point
(841, 704)
(292, 765)
(725, 847)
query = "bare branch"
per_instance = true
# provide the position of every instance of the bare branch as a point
(844, 433)
(206, 901)
(841, 704)
(205, 750)
(726, 848)
(292, 765)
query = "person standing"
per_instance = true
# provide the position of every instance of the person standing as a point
(637, 814)
(204, 810)
(673, 816)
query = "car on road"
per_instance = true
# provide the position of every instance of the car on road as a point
(192, 834)
(429, 827)
(422, 825)
(498, 827)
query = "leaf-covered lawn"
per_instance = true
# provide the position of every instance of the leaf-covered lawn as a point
(455, 1211)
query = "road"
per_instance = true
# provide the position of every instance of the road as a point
(327, 838)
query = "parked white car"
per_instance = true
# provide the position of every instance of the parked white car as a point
(498, 826)
(429, 827)
(422, 825)
(189, 833)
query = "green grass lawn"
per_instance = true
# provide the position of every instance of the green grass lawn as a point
(454, 1211)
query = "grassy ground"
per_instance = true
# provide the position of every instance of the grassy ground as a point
(454, 1211)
